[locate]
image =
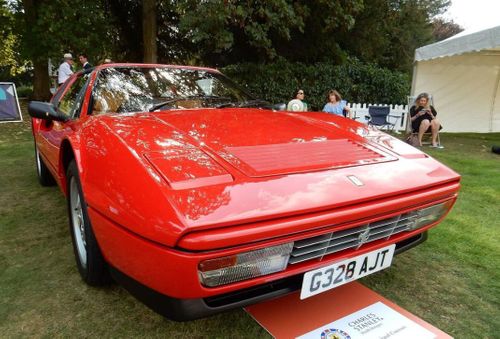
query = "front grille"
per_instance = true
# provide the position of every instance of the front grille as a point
(321, 245)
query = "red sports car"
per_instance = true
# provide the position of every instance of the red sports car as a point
(199, 198)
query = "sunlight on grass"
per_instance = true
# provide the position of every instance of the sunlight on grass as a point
(452, 280)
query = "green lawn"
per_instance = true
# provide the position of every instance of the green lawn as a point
(452, 280)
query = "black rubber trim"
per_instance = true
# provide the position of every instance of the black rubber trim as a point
(190, 309)
(405, 245)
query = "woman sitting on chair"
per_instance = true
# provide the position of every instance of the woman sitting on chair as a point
(423, 119)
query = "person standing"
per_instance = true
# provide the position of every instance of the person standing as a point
(84, 61)
(65, 71)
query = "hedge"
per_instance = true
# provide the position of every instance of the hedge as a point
(24, 91)
(356, 81)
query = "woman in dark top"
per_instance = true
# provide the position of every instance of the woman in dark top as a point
(423, 119)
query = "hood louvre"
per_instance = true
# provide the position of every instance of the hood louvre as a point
(275, 159)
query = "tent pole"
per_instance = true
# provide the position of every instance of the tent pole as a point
(493, 99)
(414, 78)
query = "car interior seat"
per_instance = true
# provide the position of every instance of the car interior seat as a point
(106, 100)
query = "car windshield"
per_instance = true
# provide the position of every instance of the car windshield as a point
(139, 89)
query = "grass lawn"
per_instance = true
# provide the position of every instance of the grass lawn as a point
(451, 281)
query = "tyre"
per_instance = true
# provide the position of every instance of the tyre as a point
(45, 178)
(89, 260)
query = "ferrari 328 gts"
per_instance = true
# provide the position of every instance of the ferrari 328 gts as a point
(199, 198)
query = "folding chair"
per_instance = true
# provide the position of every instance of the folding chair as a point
(428, 133)
(378, 117)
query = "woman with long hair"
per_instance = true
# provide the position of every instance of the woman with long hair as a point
(297, 104)
(335, 104)
(423, 119)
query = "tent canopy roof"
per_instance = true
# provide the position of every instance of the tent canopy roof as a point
(486, 40)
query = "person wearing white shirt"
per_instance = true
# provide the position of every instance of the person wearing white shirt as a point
(64, 71)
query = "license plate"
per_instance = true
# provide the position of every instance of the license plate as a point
(343, 272)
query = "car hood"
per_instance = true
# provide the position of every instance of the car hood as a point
(231, 166)
(261, 143)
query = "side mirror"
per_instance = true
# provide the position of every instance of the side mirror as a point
(45, 111)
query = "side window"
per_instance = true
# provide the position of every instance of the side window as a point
(57, 96)
(71, 102)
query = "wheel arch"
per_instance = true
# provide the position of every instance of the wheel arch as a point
(66, 155)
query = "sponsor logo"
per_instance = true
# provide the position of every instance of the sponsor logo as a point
(333, 333)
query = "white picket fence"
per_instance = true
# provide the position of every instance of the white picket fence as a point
(359, 111)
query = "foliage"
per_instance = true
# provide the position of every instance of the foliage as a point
(324, 23)
(355, 80)
(60, 26)
(220, 32)
(48, 29)
(125, 16)
(443, 29)
(387, 32)
(24, 91)
(9, 43)
(225, 32)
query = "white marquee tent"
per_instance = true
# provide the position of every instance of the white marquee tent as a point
(462, 73)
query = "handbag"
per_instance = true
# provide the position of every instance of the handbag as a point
(412, 139)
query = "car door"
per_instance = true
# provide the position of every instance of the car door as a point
(52, 133)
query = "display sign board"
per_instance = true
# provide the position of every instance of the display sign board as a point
(9, 104)
(351, 311)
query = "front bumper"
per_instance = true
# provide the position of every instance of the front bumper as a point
(166, 279)
(194, 308)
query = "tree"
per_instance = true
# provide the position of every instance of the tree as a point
(48, 29)
(32, 37)
(9, 41)
(149, 31)
(443, 29)
(126, 17)
(318, 39)
(387, 32)
(222, 32)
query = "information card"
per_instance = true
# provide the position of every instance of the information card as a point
(377, 321)
(348, 311)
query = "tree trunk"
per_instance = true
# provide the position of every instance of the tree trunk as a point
(149, 31)
(41, 81)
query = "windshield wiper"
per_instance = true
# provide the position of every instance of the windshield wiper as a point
(189, 97)
(248, 103)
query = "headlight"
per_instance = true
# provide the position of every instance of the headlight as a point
(429, 215)
(225, 270)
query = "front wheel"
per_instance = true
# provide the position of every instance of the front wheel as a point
(88, 256)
